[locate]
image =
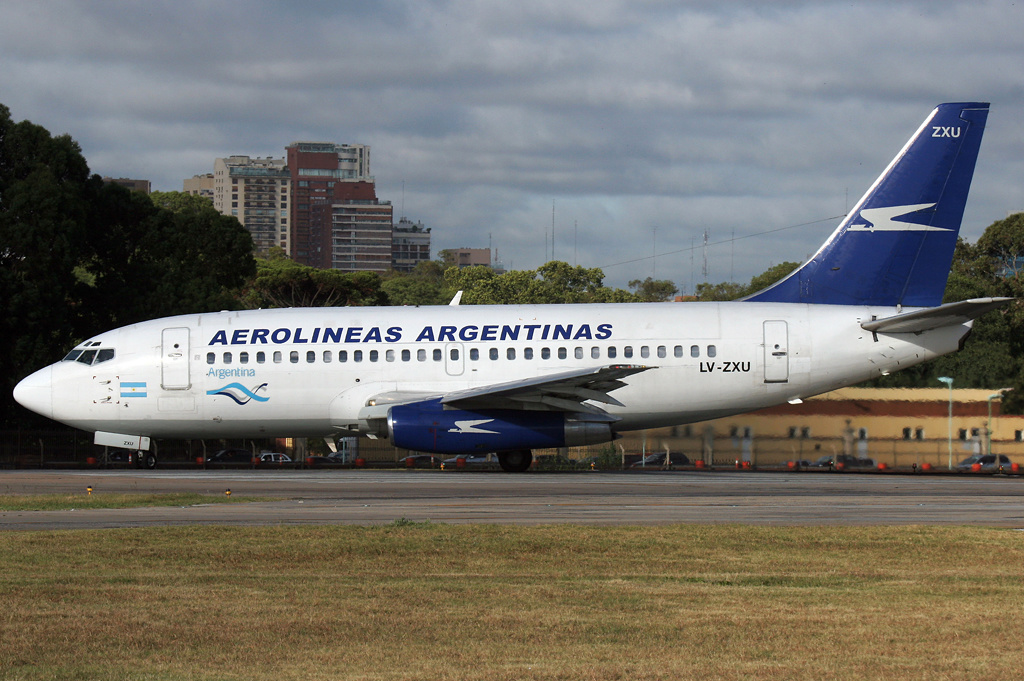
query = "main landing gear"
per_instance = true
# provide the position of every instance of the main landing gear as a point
(516, 461)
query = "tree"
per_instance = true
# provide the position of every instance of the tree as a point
(281, 282)
(651, 290)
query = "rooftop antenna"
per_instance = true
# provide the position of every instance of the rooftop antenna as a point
(704, 271)
(552, 229)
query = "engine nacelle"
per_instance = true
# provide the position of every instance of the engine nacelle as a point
(429, 427)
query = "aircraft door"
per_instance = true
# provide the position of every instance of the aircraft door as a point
(174, 371)
(776, 352)
(454, 362)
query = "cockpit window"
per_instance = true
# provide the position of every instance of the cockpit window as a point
(90, 356)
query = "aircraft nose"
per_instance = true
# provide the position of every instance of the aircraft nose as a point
(35, 392)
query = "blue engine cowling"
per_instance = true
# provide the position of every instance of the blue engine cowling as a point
(429, 427)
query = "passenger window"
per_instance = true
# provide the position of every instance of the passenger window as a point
(373, 355)
(663, 351)
(261, 357)
(510, 353)
(545, 353)
(357, 355)
(406, 355)
(678, 351)
(578, 352)
(611, 352)
(712, 351)
(389, 355)
(527, 353)
(293, 356)
(328, 357)
(310, 356)
(342, 355)
(595, 352)
(562, 354)
(437, 355)
(454, 354)
(277, 357)
(493, 353)
(645, 351)
(627, 351)
(474, 354)
(694, 351)
(243, 358)
(211, 357)
(227, 358)
(421, 355)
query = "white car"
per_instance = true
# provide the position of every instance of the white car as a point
(274, 457)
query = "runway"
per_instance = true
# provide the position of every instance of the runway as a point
(590, 498)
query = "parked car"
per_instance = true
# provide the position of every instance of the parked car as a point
(230, 456)
(987, 462)
(476, 460)
(329, 460)
(845, 460)
(658, 460)
(420, 461)
(274, 457)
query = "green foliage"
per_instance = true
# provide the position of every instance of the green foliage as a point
(733, 291)
(281, 282)
(553, 282)
(423, 286)
(653, 290)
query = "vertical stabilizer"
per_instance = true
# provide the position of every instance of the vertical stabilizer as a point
(896, 245)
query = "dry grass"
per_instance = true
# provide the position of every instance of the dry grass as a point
(493, 602)
(83, 500)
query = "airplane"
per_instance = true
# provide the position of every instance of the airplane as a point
(456, 379)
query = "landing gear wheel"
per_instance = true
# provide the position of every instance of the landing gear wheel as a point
(515, 461)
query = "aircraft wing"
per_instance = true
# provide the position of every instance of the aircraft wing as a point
(564, 391)
(935, 317)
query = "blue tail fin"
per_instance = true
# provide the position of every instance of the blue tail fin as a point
(896, 245)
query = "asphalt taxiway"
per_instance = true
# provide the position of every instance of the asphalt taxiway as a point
(591, 498)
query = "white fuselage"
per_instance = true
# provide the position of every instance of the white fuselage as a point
(310, 372)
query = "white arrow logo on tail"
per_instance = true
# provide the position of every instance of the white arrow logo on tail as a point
(881, 220)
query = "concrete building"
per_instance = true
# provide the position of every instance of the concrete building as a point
(324, 174)
(256, 191)
(144, 186)
(199, 185)
(467, 257)
(410, 245)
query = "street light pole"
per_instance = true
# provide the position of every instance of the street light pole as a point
(949, 383)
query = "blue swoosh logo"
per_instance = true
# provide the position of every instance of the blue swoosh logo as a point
(239, 393)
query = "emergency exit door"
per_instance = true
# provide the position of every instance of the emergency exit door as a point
(776, 352)
(174, 359)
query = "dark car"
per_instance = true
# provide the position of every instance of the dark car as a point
(842, 460)
(330, 460)
(986, 461)
(420, 461)
(231, 456)
(658, 460)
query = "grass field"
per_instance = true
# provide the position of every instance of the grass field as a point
(427, 601)
(63, 502)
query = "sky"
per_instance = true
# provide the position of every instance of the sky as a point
(604, 133)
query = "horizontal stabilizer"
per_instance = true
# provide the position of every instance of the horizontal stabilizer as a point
(949, 314)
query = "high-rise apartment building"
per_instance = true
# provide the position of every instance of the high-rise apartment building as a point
(410, 245)
(324, 174)
(256, 191)
(199, 185)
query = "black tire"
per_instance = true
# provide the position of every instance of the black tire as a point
(148, 460)
(516, 461)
